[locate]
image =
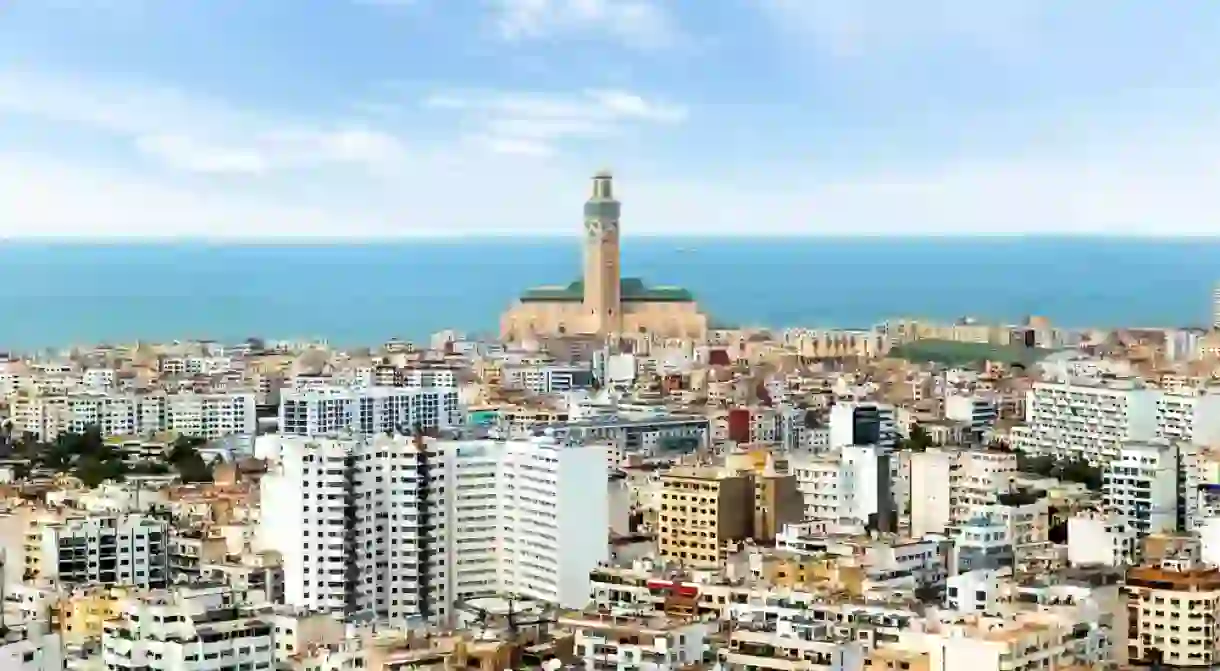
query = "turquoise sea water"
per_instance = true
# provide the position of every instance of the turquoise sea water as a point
(56, 294)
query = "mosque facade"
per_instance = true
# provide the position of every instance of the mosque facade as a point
(603, 303)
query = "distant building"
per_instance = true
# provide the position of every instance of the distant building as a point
(603, 303)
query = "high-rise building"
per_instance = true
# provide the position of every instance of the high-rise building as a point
(1141, 485)
(397, 527)
(328, 410)
(1216, 307)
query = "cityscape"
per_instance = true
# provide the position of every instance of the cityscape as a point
(618, 482)
(609, 335)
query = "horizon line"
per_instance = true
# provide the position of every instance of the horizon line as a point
(510, 238)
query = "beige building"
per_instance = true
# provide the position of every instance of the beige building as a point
(1171, 611)
(603, 303)
(704, 508)
(701, 510)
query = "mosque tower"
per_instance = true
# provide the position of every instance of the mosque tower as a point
(602, 282)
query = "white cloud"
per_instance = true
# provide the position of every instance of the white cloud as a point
(849, 28)
(187, 154)
(189, 132)
(644, 24)
(1141, 178)
(511, 122)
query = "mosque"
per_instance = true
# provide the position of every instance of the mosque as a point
(603, 303)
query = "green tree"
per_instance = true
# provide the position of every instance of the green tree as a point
(188, 462)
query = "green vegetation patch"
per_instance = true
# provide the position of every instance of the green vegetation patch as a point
(953, 353)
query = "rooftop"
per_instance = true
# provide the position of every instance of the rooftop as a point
(631, 289)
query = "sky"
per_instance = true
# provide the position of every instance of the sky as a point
(326, 119)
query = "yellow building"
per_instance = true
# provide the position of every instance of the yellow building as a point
(603, 303)
(701, 510)
(81, 613)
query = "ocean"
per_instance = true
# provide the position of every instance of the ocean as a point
(65, 294)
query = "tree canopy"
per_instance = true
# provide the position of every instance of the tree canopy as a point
(90, 458)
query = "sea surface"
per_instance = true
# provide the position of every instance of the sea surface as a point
(66, 294)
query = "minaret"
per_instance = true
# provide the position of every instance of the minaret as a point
(602, 301)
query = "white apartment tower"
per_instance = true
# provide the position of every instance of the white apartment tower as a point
(368, 410)
(398, 527)
(931, 509)
(1141, 486)
(1086, 421)
(1216, 307)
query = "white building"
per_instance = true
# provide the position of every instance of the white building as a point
(399, 527)
(862, 423)
(1101, 540)
(977, 480)
(546, 378)
(979, 412)
(428, 377)
(369, 410)
(1086, 421)
(1141, 485)
(31, 647)
(129, 549)
(123, 414)
(931, 493)
(187, 629)
(1189, 417)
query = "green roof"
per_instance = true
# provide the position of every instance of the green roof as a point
(631, 289)
(954, 353)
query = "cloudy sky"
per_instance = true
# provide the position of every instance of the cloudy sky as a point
(372, 118)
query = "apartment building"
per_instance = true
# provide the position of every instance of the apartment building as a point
(702, 508)
(978, 412)
(1098, 539)
(329, 409)
(546, 378)
(856, 484)
(417, 378)
(1141, 485)
(1189, 415)
(818, 477)
(977, 479)
(1086, 421)
(75, 548)
(863, 423)
(647, 643)
(120, 414)
(1171, 615)
(931, 491)
(187, 629)
(1027, 640)
(30, 647)
(798, 643)
(400, 526)
(650, 436)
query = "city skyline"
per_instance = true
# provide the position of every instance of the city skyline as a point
(387, 118)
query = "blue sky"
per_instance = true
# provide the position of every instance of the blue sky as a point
(371, 118)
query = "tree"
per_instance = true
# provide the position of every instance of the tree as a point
(188, 462)
(919, 440)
